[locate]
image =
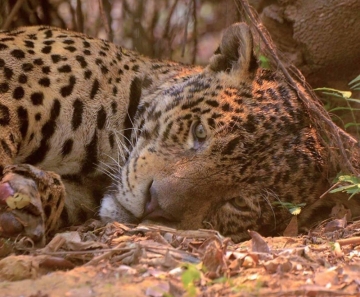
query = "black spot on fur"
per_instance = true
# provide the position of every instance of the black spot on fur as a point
(46, 69)
(212, 103)
(46, 49)
(37, 98)
(87, 74)
(18, 54)
(4, 87)
(38, 62)
(4, 115)
(101, 118)
(111, 139)
(47, 131)
(6, 148)
(71, 49)
(45, 82)
(113, 107)
(94, 89)
(82, 61)
(135, 95)
(3, 46)
(69, 41)
(29, 44)
(48, 33)
(8, 73)
(22, 79)
(64, 69)
(27, 67)
(77, 115)
(67, 90)
(67, 147)
(18, 93)
(135, 68)
(90, 161)
(55, 58)
(231, 146)
(23, 120)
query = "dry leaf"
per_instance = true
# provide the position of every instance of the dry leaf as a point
(326, 278)
(249, 262)
(159, 290)
(258, 244)
(213, 258)
(292, 228)
(339, 211)
(337, 224)
(279, 264)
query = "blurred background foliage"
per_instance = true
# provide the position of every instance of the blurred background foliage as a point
(189, 31)
(184, 30)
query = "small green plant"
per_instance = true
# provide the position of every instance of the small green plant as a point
(264, 62)
(352, 185)
(293, 208)
(345, 183)
(191, 275)
(335, 100)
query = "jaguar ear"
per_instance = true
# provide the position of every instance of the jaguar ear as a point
(236, 50)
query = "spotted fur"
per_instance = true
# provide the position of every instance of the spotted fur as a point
(184, 146)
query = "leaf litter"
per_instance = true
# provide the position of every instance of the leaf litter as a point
(103, 260)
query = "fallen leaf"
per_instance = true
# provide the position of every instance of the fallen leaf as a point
(258, 244)
(159, 290)
(279, 264)
(292, 228)
(326, 278)
(213, 259)
(337, 224)
(249, 262)
(339, 211)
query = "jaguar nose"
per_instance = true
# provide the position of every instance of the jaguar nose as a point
(153, 210)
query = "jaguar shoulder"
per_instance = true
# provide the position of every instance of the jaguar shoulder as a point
(184, 146)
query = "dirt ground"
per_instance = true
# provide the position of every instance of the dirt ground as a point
(118, 260)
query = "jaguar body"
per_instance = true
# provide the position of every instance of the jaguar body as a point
(94, 129)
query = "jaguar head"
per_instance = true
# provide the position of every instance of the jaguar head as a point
(216, 149)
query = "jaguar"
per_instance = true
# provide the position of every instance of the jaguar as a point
(89, 129)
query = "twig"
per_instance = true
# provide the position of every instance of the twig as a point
(104, 18)
(13, 12)
(105, 255)
(195, 33)
(346, 241)
(186, 29)
(79, 17)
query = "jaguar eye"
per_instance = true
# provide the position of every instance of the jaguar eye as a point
(239, 203)
(200, 132)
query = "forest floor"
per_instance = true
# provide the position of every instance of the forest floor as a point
(117, 260)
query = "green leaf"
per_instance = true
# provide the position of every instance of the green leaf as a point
(350, 125)
(345, 94)
(264, 62)
(349, 178)
(344, 108)
(342, 188)
(355, 86)
(353, 100)
(189, 276)
(355, 80)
